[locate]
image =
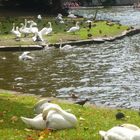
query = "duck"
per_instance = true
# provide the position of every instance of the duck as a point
(73, 95)
(120, 133)
(56, 118)
(41, 104)
(25, 56)
(74, 28)
(35, 123)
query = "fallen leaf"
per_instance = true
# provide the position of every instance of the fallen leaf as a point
(29, 138)
(28, 130)
(1, 114)
(1, 121)
(81, 119)
(14, 119)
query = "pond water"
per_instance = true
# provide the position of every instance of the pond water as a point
(108, 74)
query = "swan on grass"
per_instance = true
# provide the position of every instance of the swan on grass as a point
(57, 118)
(49, 30)
(71, 15)
(45, 31)
(131, 126)
(15, 31)
(35, 123)
(24, 30)
(39, 17)
(33, 28)
(120, 133)
(41, 104)
(25, 56)
(74, 28)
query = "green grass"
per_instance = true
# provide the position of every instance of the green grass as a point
(95, 119)
(99, 29)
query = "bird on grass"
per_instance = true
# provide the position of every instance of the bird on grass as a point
(120, 116)
(74, 28)
(81, 102)
(15, 31)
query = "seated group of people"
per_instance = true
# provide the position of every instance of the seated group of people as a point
(69, 4)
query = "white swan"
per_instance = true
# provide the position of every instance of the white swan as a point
(59, 18)
(57, 118)
(25, 56)
(74, 28)
(71, 15)
(120, 133)
(131, 126)
(65, 47)
(36, 122)
(39, 17)
(49, 30)
(32, 28)
(15, 31)
(41, 104)
(24, 30)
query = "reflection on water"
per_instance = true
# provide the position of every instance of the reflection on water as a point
(108, 73)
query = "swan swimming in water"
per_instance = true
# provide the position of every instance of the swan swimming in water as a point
(65, 47)
(25, 56)
(57, 118)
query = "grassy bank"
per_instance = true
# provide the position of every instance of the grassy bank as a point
(99, 29)
(12, 106)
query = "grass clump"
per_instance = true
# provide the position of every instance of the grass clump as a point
(91, 119)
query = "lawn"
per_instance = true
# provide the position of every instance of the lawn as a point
(91, 119)
(99, 29)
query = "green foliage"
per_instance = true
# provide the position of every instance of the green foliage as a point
(91, 119)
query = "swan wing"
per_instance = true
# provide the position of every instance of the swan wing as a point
(57, 121)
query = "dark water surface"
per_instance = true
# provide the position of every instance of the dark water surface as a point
(108, 73)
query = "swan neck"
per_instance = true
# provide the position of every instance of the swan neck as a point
(66, 115)
(60, 44)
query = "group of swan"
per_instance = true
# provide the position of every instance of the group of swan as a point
(42, 32)
(51, 116)
(31, 29)
(123, 132)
